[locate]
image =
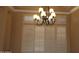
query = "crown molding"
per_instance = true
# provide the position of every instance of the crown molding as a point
(12, 8)
(26, 11)
(74, 9)
(33, 11)
(62, 12)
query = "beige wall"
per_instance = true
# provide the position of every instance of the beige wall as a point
(28, 38)
(74, 42)
(68, 31)
(10, 30)
(16, 37)
(52, 38)
(2, 27)
(5, 26)
(44, 38)
(11, 25)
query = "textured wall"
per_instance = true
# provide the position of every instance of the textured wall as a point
(2, 27)
(44, 38)
(5, 28)
(11, 33)
(75, 31)
(68, 32)
(16, 37)
(28, 38)
(8, 29)
(39, 39)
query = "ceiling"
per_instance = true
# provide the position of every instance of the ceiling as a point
(56, 8)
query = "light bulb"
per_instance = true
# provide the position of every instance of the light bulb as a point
(51, 10)
(38, 18)
(50, 17)
(34, 16)
(43, 13)
(40, 9)
(53, 14)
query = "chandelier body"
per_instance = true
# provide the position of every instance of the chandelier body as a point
(42, 18)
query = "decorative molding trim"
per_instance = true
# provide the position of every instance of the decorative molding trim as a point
(26, 11)
(62, 12)
(33, 11)
(12, 8)
(74, 9)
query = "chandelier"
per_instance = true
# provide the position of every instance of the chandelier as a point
(45, 17)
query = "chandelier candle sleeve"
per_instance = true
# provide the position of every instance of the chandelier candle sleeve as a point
(35, 16)
(38, 18)
(50, 17)
(41, 10)
(53, 14)
(51, 10)
(43, 13)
